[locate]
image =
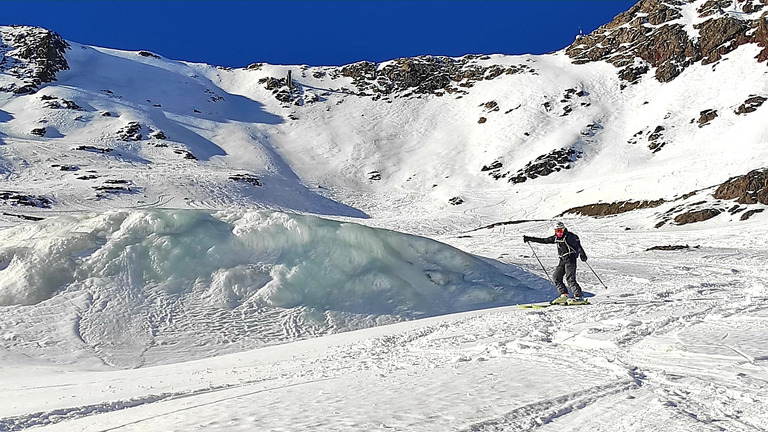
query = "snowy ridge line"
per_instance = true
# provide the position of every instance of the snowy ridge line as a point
(537, 414)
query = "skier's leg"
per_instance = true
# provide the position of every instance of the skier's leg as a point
(558, 277)
(570, 276)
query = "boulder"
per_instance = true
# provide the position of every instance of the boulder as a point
(696, 216)
(706, 116)
(750, 105)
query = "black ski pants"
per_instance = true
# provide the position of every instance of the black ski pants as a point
(567, 268)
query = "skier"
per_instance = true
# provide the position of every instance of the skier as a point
(568, 248)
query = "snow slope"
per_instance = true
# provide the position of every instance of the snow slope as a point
(677, 342)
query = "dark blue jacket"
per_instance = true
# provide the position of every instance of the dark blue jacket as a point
(568, 247)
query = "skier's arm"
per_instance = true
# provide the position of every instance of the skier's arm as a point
(539, 239)
(579, 249)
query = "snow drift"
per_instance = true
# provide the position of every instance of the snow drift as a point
(146, 279)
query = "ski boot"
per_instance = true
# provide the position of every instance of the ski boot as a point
(562, 300)
(577, 301)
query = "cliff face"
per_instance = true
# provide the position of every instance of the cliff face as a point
(32, 56)
(670, 35)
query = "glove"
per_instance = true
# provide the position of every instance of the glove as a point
(526, 239)
(583, 257)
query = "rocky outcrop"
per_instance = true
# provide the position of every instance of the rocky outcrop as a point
(246, 178)
(32, 55)
(52, 102)
(610, 209)
(424, 74)
(750, 188)
(750, 105)
(706, 116)
(554, 161)
(696, 216)
(18, 199)
(656, 139)
(130, 132)
(651, 34)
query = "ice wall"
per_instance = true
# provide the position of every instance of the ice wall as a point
(160, 275)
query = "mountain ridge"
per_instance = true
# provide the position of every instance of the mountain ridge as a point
(428, 131)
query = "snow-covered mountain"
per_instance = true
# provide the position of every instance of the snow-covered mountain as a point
(183, 219)
(630, 115)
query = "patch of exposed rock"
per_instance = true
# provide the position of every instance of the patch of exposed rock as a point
(544, 165)
(32, 56)
(424, 74)
(750, 188)
(18, 199)
(696, 216)
(52, 102)
(750, 105)
(651, 35)
(610, 209)
(670, 248)
(246, 178)
(130, 132)
(706, 116)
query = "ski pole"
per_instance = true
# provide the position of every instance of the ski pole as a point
(593, 271)
(542, 265)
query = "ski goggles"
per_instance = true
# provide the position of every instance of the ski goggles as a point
(559, 231)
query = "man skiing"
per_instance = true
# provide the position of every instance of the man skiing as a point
(568, 248)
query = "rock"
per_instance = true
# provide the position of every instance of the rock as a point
(492, 166)
(159, 135)
(648, 36)
(547, 164)
(33, 55)
(456, 201)
(669, 248)
(609, 209)
(94, 149)
(148, 54)
(186, 153)
(750, 213)
(696, 216)
(38, 132)
(490, 106)
(750, 188)
(24, 217)
(423, 75)
(246, 178)
(750, 105)
(706, 116)
(374, 175)
(17, 199)
(655, 139)
(110, 189)
(482, 120)
(130, 132)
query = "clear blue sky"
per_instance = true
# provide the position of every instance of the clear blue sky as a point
(315, 32)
